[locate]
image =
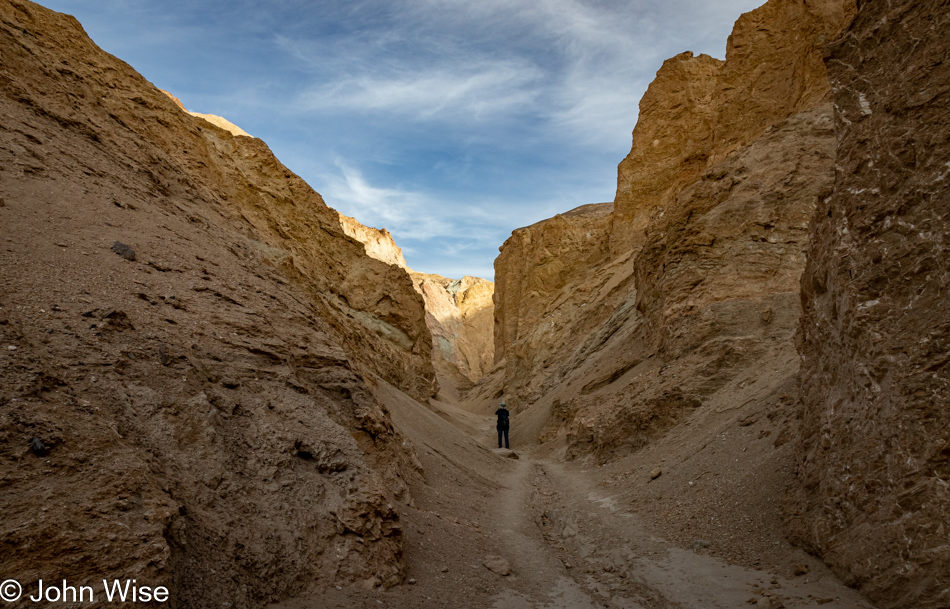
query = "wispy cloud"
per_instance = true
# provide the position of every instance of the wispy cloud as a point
(449, 122)
(481, 91)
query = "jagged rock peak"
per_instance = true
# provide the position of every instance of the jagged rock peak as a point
(698, 110)
(379, 243)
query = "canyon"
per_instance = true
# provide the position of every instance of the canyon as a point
(728, 386)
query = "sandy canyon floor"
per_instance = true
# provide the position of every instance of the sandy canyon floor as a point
(517, 531)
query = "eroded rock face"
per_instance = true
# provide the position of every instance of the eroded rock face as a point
(197, 414)
(460, 314)
(379, 243)
(705, 239)
(875, 455)
(716, 301)
(699, 110)
(548, 294)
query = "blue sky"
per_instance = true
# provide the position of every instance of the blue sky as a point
(449, 122)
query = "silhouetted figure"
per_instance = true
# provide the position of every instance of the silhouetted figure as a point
(502, 425)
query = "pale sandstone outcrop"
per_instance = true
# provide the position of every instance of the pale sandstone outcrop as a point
(460, 314)
(875, 453)
(203, 408)
(223, 123)
(379, 243)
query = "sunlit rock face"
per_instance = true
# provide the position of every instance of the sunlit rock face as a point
(696, 265)
(379, 243)
(875, 454)
(191, 341)
(699, 110)
(460, 314)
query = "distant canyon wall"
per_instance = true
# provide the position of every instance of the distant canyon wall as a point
(874, 462)
(459, 312)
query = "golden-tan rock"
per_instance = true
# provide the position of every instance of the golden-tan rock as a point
(690, 230)
(699, 110)
(191, 344)
(379, 243)
(548, 292)
(223, 123)
(460, 314)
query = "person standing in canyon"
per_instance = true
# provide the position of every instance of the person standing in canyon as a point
(502, 424)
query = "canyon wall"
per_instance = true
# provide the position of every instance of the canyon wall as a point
(460, 314)
(875, 453)
(703, 249)
(190, 346)
(543, 298)
(699, 110)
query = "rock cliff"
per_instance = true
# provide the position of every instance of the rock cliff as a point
(191, 342)
(460, 314)
(379, 243)
(544, 300)
(702, 251)
(875, 452)
(699, 110)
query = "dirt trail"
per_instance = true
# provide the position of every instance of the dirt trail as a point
(528, 552)
(570, 539)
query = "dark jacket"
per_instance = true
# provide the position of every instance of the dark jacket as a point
(502, 414)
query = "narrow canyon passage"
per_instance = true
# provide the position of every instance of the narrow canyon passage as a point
(488, 530)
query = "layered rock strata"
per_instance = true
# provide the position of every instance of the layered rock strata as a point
(875, 453)
(190, 342)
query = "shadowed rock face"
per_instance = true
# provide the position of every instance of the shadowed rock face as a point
(543, 300)
(192, 339)
(875, 453)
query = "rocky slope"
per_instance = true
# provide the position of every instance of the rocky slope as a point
(190, 346)
(875, 453)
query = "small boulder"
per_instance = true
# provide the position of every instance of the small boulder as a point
(123, 250)
(699, 544)
(39, 449)
(656, 473)
(497, 565)
(506, 452)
